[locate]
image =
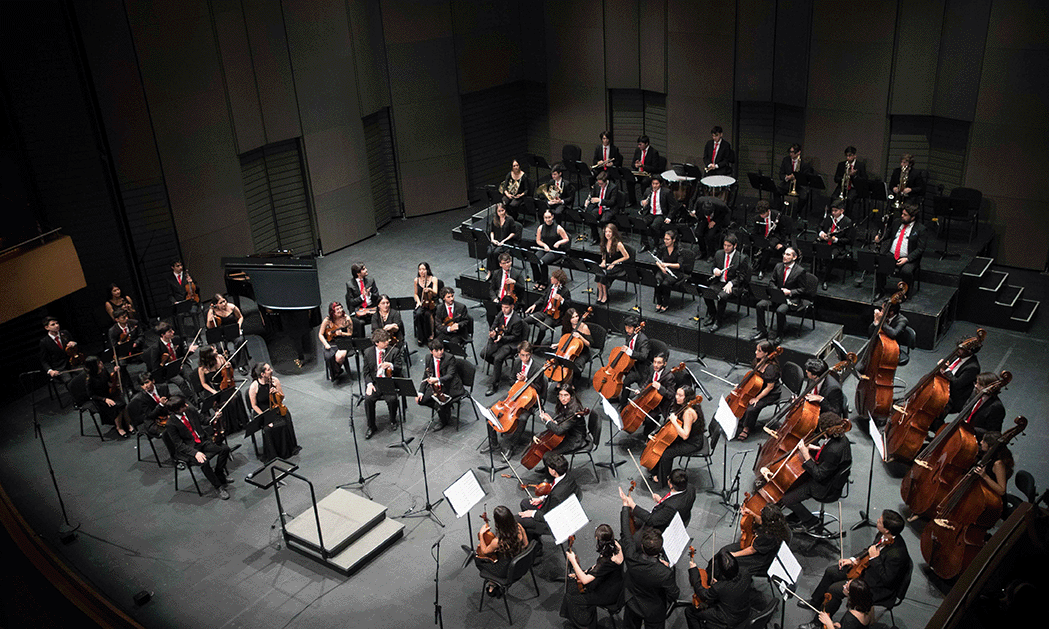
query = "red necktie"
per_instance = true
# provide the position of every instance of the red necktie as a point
(655, 203)
(600, 206)
(524, 369)
(364, 294)
(786, 272)
(449, 311)
(171, 350)
(502, 287)
(156, 398)
(728, 263)
(820, 451)
(58, 341)
(179, 278)
(833, 225)
(954, 365)
(381, 352)
(643, 153)
(550, 302)
(767, 226)
(632, 342)
(899, 241)
(606, 157)
(437, 368)
(714, 157)
(655, 376)
(979, 403)
(666, 496)
(506, 321)
(185, 421)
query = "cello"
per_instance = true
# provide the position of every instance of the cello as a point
(638, 408)
(568, 348)
(662, 438)
(802, 417)
(959, 531)
(739, 398)
(909, 425)
(942, 463)
(608, 381)
(879, 359)
(546, 442)
(521, 397)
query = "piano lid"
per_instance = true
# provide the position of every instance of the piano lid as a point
(280, 283)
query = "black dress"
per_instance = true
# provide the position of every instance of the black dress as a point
(580, 608)
(770, 374)
(618, 270)
(680, 447)
(278, 441)
(234, 413)
(664, 282)
(423, 318)
(547, 235)
(499, 232)
(757, 564)
(98, 388)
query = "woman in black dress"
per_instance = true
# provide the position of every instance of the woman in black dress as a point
(571, 320)
(423, 284)
(603, 582)
(689, 425)
(116, 300)
(770, 392)
(337, 324)
(667, 261)
(859, 606)
(107, 396)
(613, 255)
(386, 318)
(222, 313)
(510, 539)
(551, 238)
(278, 435)
(209, 377)
(515, 188)
(770, 530)
(501, 230)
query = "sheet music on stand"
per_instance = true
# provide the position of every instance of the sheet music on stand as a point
(675, 539)
(725, 418)
(785, 569)
(611, 412)
(487, 414)
(879, 440)
(565, 519)
(464, 493)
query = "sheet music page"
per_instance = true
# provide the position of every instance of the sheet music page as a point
(786, 565)
(487, 414)
(724, 417)
(464, 493)
(675, 539)
(611, 412)
(878, 438)
(565, 519)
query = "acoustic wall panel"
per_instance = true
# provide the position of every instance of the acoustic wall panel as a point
(576, 74)
(919, 24)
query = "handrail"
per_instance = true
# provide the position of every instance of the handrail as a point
(313, 499)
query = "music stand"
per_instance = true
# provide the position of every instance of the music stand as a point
(180, 309)
(427, 510)
(529, 256)
(875, 263)
(269, 416)
(403, 388)
(165, 373)
(943, 210)
(762, 184)
(225, 334)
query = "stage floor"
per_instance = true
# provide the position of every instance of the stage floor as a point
(219, 563)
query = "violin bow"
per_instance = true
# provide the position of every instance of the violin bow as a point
(229, 399)
(181, 364)
(647, 416)
(643, 477)
(523, 486)
(841, 535)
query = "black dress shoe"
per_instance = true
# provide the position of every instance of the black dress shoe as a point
(436, 426)
(824, 286)
(243, 370)
(490, 390)
(369, 433)
(757, 336)
(713, 327)
(775, 340)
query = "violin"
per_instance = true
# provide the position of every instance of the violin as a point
(947, 458)
(277, 402)
(438, 392)
(541, 489)
(227, 376)
(486, 536)
(909, 424)
(861, 563)
(569, 347)
(546, 442)
(633, 527)
(880, 357)
(666, 435)
(165, 358)
(333, 332)
(638, 408)
(739, 398)
(429, 299)
(608, 381)
(579, 584)
(192, 294)
(76, 358)
(704, 580)
(959, 531)
(521, 397)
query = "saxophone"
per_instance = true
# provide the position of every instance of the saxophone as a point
(898, 200)
(846, 181)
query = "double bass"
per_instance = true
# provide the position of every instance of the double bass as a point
(608, 381)
(546, 442)
(521, 397)
(958, 532)
(662, 438)
(639, 407)
(739, 398)
(569, 348)
(878, 361)
(909, 425)
(947, 458)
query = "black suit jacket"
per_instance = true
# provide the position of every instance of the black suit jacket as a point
(371, 364)
(176, 291)
(496, 281)
(451, 379)
(143, 407)
(609, 203)
(667, 204)
(780, 227)
(561, 492)
(651, 159)
(663, 513)
(892, 328)
(795, 280)
(728, 601)
(51, 355)
(613, 152)
(884, 572)
(839, 173)
(515, 330)
(185, 445)
(642, 350)
(962, 383)
(833, 397)
(786, 168)
(460, 315)
(724, 159)
(914, 181)
(160, 347)
(135, 335)
(353, 294)
(567, 196)
(738, 269)
(989, 417)
(650, 585)
(835, 456)
(545, 297)
(844, 231)
(535, 367)
(917, 240)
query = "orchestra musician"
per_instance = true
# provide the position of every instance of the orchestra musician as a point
(507, 331)
(116, 300)
(195, 445)
(547, 303)
(640, 350)
(718, 158)
(788, 277)
(533, 510)
(567, 420)
(823, 469)
(423, 317)
(209, 378)
(502, 229)
(883, 573)
(860, 605)
(386, 318)
(856, 170)
(571, 321)
(107, 399)
(441, 368)
(362, 295)
(775, 228)
(554, 241)
(147, 405)
(606, 154)
(894, 325)
(278, 436)
(906, 242)
(54, 348)
(646, 160)
(690, 427)
(727, 598)
(524, 368)
(669, 275)
(913, 183)
(770, 391)
(508, 541)
(562, 191)
(176, 283)
(379, 362)
(836, 232)
(603, 204)
(339, 324)
(603, 582)
(506, 281)
(658, 209)
(515, 189)
(712, 218)
(223, 313)
(828, 393)
(678, 500)
(731, 274)
(452, 320)
(176, 351)
(961, 373)
(662, 380)
(770, 531)
(614, 255)
(650, 584)
(1001, 469)
(988, 413)
(125, 335)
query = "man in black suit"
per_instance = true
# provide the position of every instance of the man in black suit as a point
(646, 160)
(378, 361)
(125, 327)
(913, 186)
(731, 274)
(906, 242)
(176, 350)
(791, 165)
(658, 209)
(148, 404)
(962, 373)
(538, 314)
(836, 232)
(606, 154)
(662, 379)
(53, 356)
(176, 282)
(886, 569)
(524, 368)
(727, 599)
(194, 445)
(640, 351)
(453, 322)
(712, 219)
(825, 479)
(602, 204)
(856, 170)
(506, 331)
(362, 297)
(505, 281)
(894, 325)
(679, 499)
(562, 191)
(650, 584)
(988, 413)
(533, 510)
(441, 368)
(788, 277)
(827, 394)
(772, 232)
(718, 157)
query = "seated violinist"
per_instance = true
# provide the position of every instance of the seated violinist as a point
(266, 392)
(554, 299)
(688, 426)
(836, 232)
(725, 600)
(56, 349)
(337, 324)
(533, 510)
(452, 320)
(568, 420)
(493, 557)
(888, 559)
(172, 349)
(506, 331)
(679, 500)
(602, 584)
(212, 369)
(222, 313)
(195, 446)
(860, 606)
(824, 480)
(379, 362)
(442, 368)
(125, 335)
(147, 406)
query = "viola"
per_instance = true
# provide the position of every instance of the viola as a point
(487, 537)
(947, 458)
(277, 402)
(666, 435)
(909, 424)
(569, 347)
(704, 580)
(192, 294)
(334, 332)
(76, 358)
(429, 299)
(438, 392)
(861, 563)
(959, 531)
(521, 397)
(739, 398)
(638, 408)
(546, 442)
(633, 527)
(746, 525)
(880, 357)
(608, 381)
(541, 489)
(227, 377)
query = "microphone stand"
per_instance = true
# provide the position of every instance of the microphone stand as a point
(438, 619)
(362, 480)
(66, 530)
(426, 511)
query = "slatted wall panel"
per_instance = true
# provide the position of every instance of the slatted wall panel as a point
(656, 121)
(908, 134)
(278, 206)
(154, 239)
(382, 166)
(947, 154)
(628, 120)
(260, 206)
(754, 147)
(789, 128)
(495, 129)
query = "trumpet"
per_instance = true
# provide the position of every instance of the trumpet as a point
(846, 182)
(793, 187)
(897, 200)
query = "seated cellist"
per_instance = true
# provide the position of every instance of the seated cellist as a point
(770, 390)
(566, 420)
(689, 426)
(661, 379)
(822, 481)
